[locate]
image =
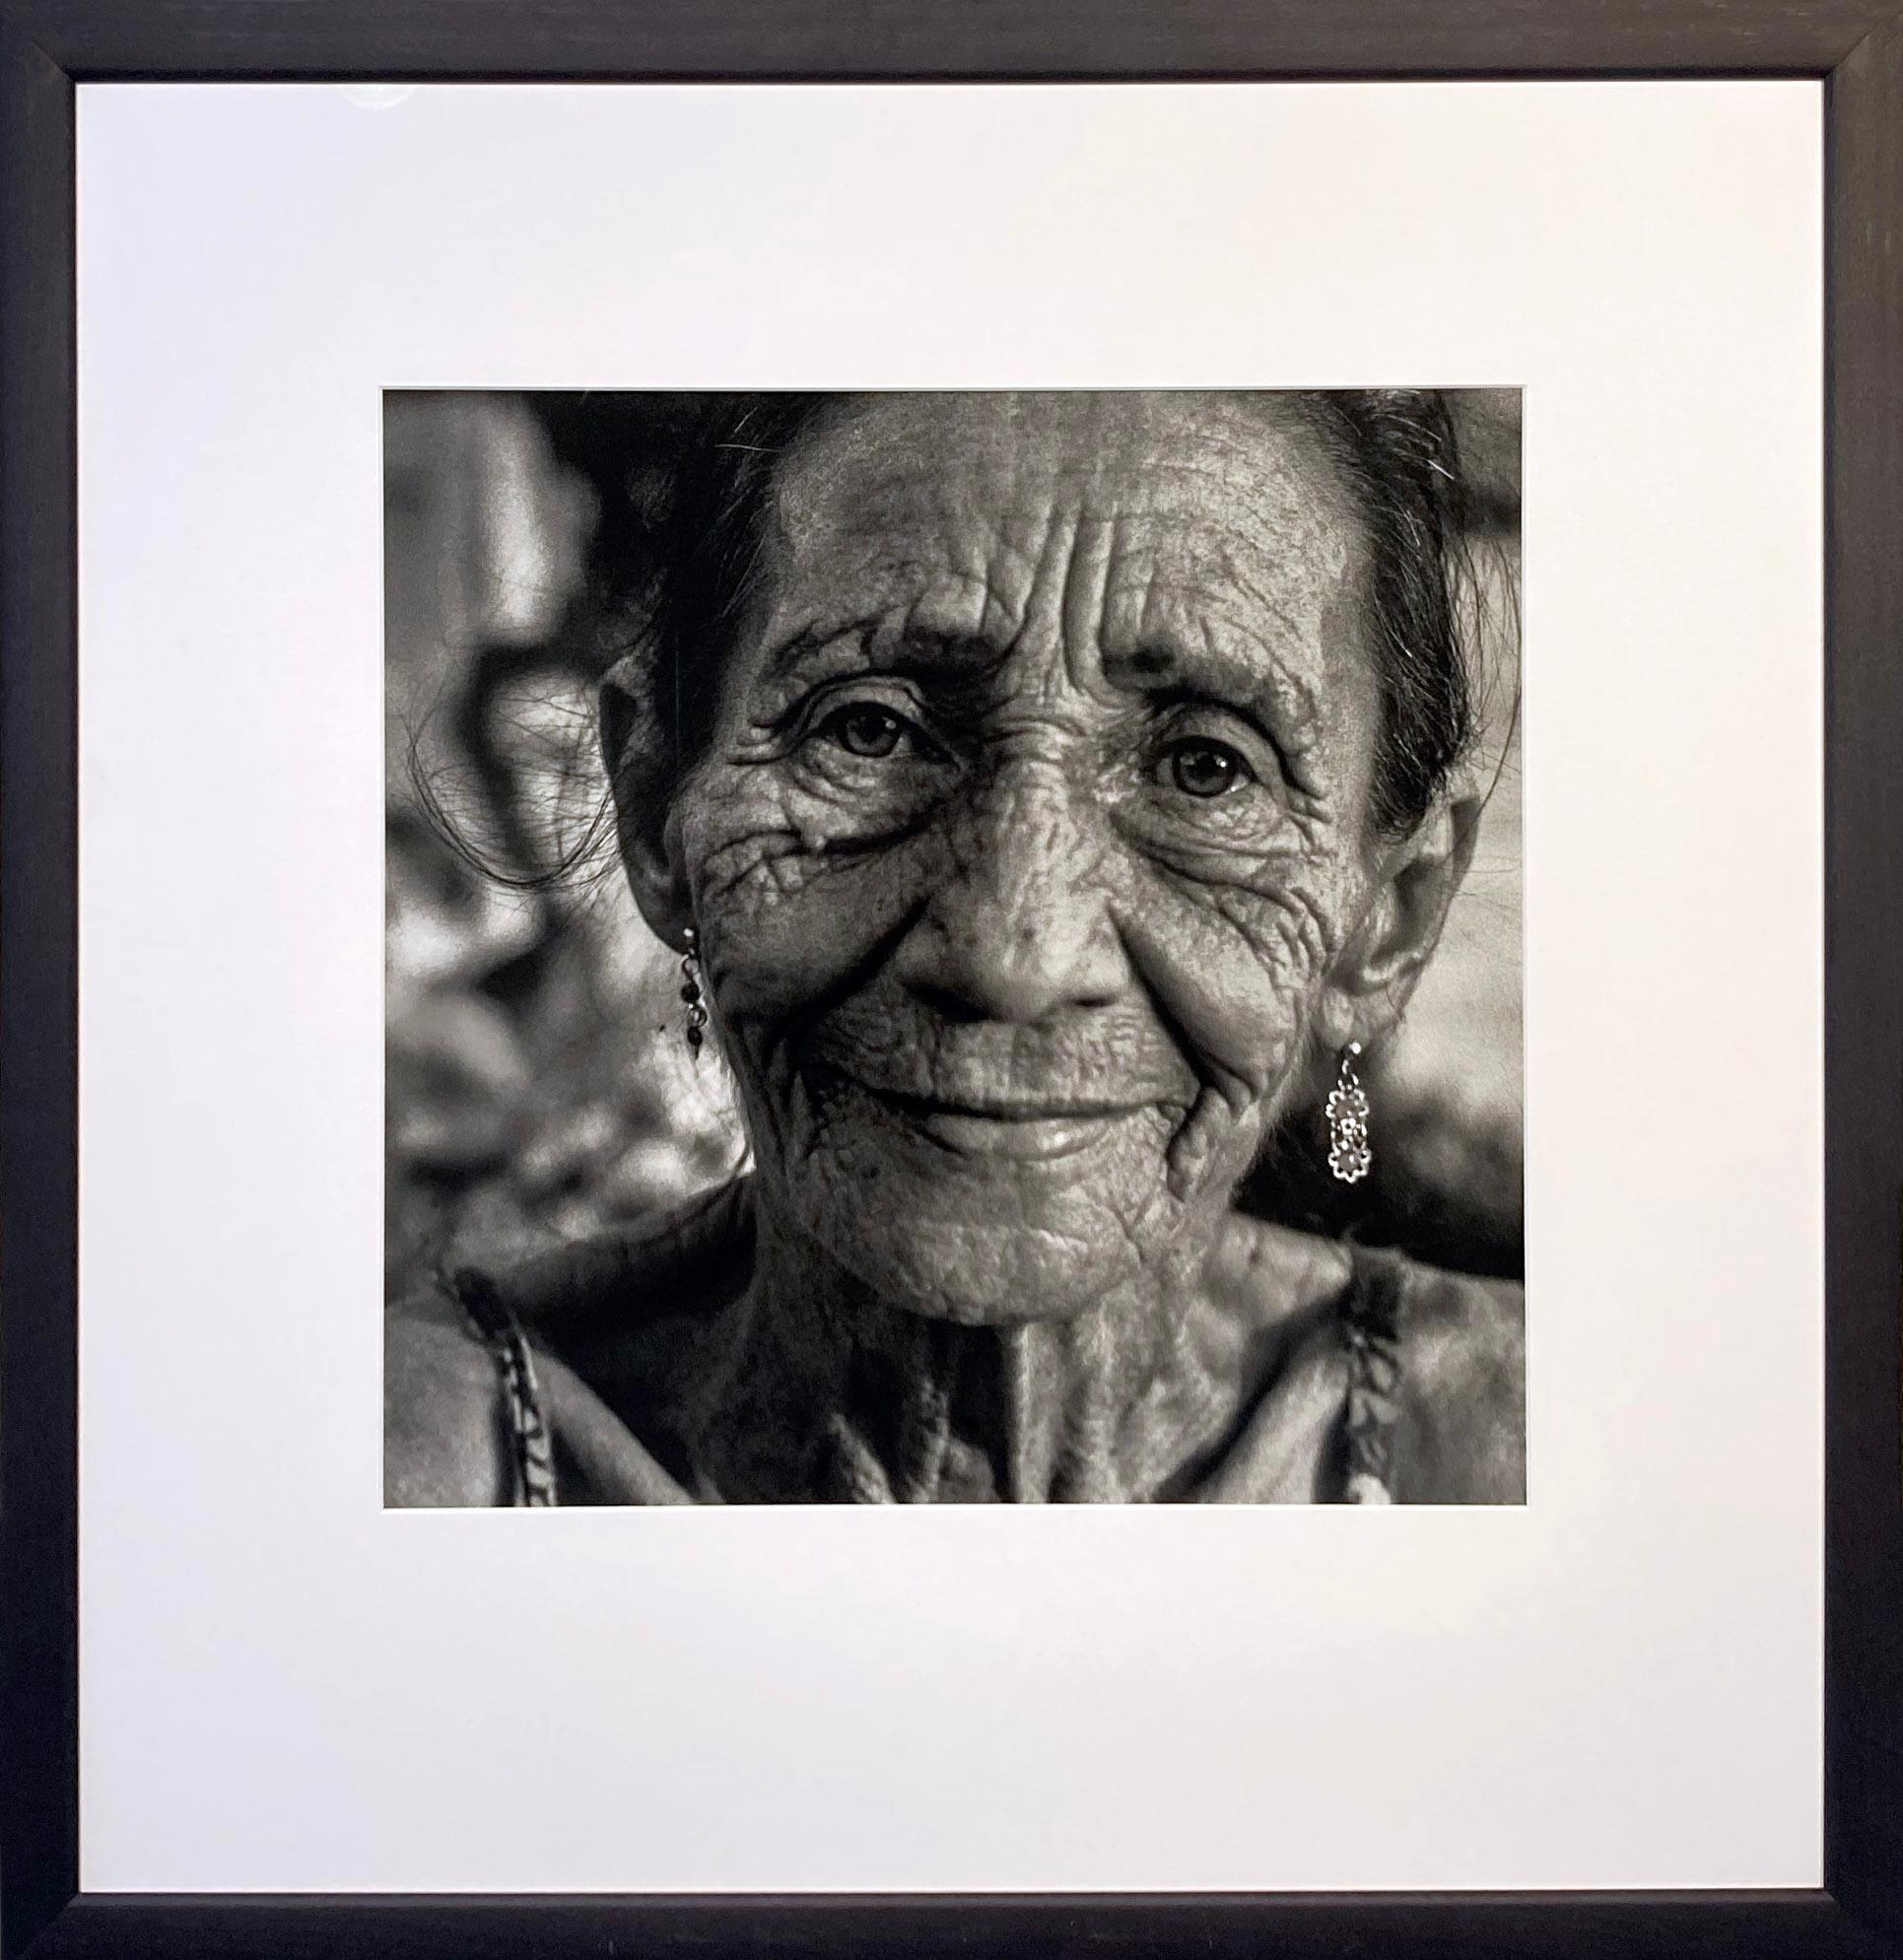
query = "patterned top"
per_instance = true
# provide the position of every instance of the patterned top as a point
(583, 1377)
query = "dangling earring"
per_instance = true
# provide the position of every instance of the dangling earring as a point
(1349, 1157)
(690, 993)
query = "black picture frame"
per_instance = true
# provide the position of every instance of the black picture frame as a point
(1856, 46)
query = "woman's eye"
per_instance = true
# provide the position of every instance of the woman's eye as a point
(1202, 767)
(863, 728)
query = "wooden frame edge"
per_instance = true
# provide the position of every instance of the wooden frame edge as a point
(39, 1019)
(1863, 977)
(1768, 1925)
(44, 51)
(977, 41)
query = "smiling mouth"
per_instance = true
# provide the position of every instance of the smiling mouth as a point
(1029, 1130)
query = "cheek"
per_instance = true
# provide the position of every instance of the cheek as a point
(788, 912)
(1232, 955)
(1236, 964)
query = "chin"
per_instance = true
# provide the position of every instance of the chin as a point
(990, 1248)
(973, 1278)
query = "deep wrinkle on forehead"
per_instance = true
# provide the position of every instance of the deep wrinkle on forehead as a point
(1161, 542)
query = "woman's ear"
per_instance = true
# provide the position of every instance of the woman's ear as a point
(1374, 978)
(645, 825)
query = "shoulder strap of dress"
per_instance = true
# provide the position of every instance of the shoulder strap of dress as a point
(524, 1420)
(1371, 1320)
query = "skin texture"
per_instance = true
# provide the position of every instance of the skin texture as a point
(1032, 869)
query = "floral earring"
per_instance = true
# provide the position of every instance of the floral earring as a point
(690, 993)
(1349, 1156)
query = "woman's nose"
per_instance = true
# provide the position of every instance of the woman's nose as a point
(1020, 928)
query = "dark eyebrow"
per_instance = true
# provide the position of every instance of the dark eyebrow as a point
(1283, 703)
(791, 652)
(914, 648)
(783, 662)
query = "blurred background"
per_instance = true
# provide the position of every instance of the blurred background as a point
(537, 1085)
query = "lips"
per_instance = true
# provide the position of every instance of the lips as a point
(1020, 1128)
(1018, 1110)
(990, 1091)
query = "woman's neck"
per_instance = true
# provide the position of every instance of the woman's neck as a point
(829, 1392)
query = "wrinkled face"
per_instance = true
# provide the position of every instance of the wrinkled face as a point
(1034, 823)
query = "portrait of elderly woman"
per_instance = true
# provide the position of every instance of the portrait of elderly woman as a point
(954, 948)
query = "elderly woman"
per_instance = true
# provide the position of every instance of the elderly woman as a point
(1044, 795)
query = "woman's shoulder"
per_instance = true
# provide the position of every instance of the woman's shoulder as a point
(1461, 1400)
(1441, 1354)
(447, 1439)
(484, 1389)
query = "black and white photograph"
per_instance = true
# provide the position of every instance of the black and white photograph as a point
(953, 947)
(1039, 796)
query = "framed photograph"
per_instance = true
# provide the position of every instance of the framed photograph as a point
(1059, 922)
(1062, 850)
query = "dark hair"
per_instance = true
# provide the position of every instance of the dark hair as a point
(1397, 452)
(679, 584)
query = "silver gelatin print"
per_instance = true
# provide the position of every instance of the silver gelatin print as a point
(954, 948)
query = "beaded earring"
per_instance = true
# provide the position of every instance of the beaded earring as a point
(1349, 1157)
(690, 993)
